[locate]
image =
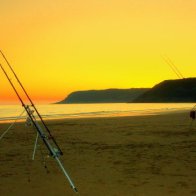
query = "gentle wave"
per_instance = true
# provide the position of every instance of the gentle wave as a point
(11, 112)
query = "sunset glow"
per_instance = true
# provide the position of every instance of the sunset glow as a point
(57, 47)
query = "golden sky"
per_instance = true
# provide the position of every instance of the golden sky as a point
(61, 46)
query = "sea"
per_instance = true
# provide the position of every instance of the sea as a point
(60, 111)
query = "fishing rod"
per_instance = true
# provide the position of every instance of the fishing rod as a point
(173, 67)
(32, 104)
(53, 147)
(26, 109)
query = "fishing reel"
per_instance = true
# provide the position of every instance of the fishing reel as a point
(28, 119)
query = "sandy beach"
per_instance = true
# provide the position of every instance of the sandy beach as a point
(119, 156)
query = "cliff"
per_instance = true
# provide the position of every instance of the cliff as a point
(104, 96)
(181, 90)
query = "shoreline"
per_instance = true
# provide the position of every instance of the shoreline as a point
(128, 114)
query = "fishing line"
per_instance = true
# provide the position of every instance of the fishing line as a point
(4, 133)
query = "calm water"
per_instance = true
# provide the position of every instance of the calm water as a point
(52, 111)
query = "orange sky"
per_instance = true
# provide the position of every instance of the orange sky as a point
(57, 47)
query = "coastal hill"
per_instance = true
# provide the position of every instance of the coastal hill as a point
(104, 96)
(181, 90)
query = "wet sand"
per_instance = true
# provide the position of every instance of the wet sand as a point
(119, 156)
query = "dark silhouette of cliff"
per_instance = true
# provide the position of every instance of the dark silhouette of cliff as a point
(181, 90)
(104, 96)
